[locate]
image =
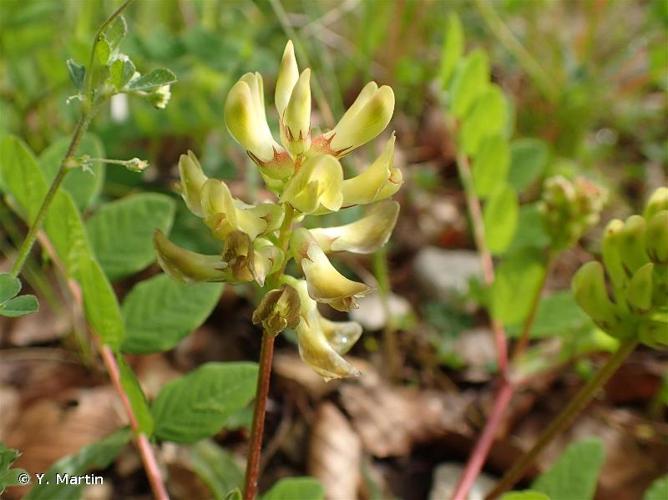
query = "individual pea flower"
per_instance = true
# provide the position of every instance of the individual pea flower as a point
(160, 96)
(570, 208)
(323, 342)
(325, 283)
(306, 176)
(635, 260)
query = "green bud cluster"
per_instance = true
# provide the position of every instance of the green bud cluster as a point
(306, 176)
(635, 260)
(569, 208)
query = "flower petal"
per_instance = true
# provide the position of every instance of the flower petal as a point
(316, 187)
(186, 266)
(366, 235)
(288, 74)
(192, 180)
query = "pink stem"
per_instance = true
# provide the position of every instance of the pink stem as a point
(143, 445)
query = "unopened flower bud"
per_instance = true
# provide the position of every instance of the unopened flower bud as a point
(656, 237)
(591, 295)
(656, 203)
(639, 290)
(278, 310)
(632, 244)
(160, 97)
(136, 165)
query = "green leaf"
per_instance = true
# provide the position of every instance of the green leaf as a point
(303, 488)
(121, 72)
(19, 306)
(136, 396)
(121, 232)
(488, 116)
(160, 311)
(10, 286)
(84, 186)
(559, 315)
(528, 161)
(216, 467)
(490, 165)
(154, 79)
(95, 456)
(658, 490)
(525, 495)
(500, 218)
(195, 406)
(77, 73)
(116, 32)
(25, 181)
(575, 473)
(518, 277)
(102, 310)
(453, 47)
(530, 229)
(102, 50)
(470, 80)
(9, 477)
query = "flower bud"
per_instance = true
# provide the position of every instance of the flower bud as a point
(656, 203)
(296, 121)
(186, 266)
(632, 244)
(325, 283)
(366, 235)
(267, 259)
(656, 237)
(381, 180)
(160, 96)
(316, 187)
(365, 119)
(612, 258)
(288, 74)
(321, 341)
(639, 290)
(278, 310)
(246, 119)
(589, 291)
(653, 332)
(192, 180)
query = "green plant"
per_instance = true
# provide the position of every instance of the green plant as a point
(259, 240)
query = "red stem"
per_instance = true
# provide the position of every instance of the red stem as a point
(484, 444)
(257, 429)
(141, 441)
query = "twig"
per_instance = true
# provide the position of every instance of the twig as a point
(141, 441)
(564, 419)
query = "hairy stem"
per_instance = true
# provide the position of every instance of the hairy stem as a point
(141, 441)
(564, 419)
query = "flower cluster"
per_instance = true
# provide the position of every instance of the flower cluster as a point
(635, 259)
(569, 208)
(305, 174)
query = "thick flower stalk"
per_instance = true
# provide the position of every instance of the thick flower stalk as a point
(304, 171)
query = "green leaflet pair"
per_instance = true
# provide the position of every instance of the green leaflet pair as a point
(306, 176)
(635, 260)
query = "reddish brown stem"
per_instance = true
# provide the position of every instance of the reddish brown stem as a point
(257, 429)
(484, 443)
(141, 441)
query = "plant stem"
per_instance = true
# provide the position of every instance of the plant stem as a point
(475, 212)
(523, 340)
(30, 238)
(391, 352)
(266, 358)
(565, 418)
(484, 443)
(141, 441)
(257, 429)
